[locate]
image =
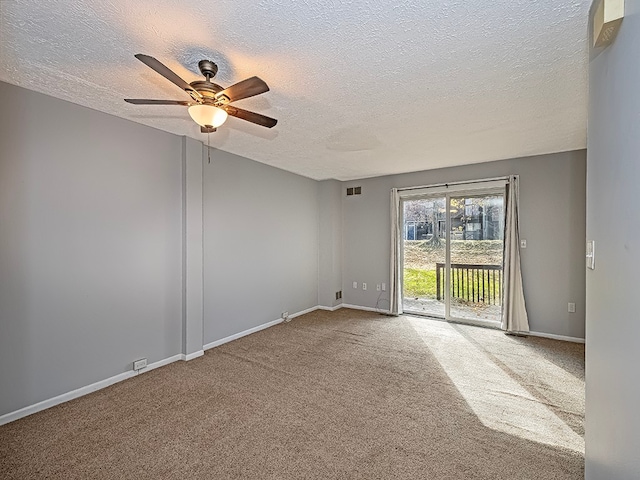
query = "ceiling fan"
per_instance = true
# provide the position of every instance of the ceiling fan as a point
(209, 104)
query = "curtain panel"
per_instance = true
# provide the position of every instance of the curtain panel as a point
(514, 311)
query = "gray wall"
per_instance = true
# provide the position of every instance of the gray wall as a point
(101, 223)
(260, 244)
(192, 247)
(330, 242)
(552, 220)
(90, 246)
(613, 323)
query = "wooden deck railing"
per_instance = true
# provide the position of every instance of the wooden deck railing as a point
(473, 283)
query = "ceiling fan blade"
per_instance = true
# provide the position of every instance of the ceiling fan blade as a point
(252, 117)
(244, 89)
(169, 74)
(143, 101)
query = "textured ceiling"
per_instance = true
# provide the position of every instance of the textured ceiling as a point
(360, 88)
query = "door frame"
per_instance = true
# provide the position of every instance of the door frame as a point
(495, 187)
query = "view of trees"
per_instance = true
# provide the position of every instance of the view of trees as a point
(477, 232)
(472, 218)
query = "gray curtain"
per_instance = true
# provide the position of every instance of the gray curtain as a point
(514, 312)
(395, 301)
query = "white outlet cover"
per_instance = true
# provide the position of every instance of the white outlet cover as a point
(384, 287)
(355, 284)
(364, 286)
(523, 244)
(140, 364)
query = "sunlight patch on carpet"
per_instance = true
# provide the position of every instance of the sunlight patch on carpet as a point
(500, 401)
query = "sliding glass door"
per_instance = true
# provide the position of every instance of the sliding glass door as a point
(452, 248)
(424, 240)
(476, 224)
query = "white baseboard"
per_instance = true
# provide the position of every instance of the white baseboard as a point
(65, 397)
(158, 364)
(193, 355)
(533, 334)
(304, 312)
(557, 337)
(329, 309)
(82, 391)
(244, 333)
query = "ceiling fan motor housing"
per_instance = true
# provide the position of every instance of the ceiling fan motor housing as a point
(208, 68)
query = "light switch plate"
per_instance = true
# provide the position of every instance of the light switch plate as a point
(591, 255)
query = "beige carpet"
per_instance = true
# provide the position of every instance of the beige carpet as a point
(342, 395)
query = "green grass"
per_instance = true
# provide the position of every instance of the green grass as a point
(422, 284)
(419, 283)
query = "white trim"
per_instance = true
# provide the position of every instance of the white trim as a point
(330, 309)
(303, 312)
(244, 333)
(487, 324)
(556, 337)
(366, 309)
(82, 391)
(161, 363)
(193, 355)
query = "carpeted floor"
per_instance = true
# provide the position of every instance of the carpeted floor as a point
(331, 395)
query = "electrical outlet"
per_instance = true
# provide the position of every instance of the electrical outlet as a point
(523, 244)
(384, 287)
(140, 364)
(572, 307)
(364, 286)
(378, 287)
(285, 315)
(355, 284)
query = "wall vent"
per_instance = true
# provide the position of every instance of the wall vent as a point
(354, 191)
(339, 295)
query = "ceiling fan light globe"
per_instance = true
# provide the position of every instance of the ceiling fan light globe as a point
(207, 115)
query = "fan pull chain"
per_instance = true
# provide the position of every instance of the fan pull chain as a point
(209, 147)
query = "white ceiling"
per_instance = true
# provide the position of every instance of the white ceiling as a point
(360, 88)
